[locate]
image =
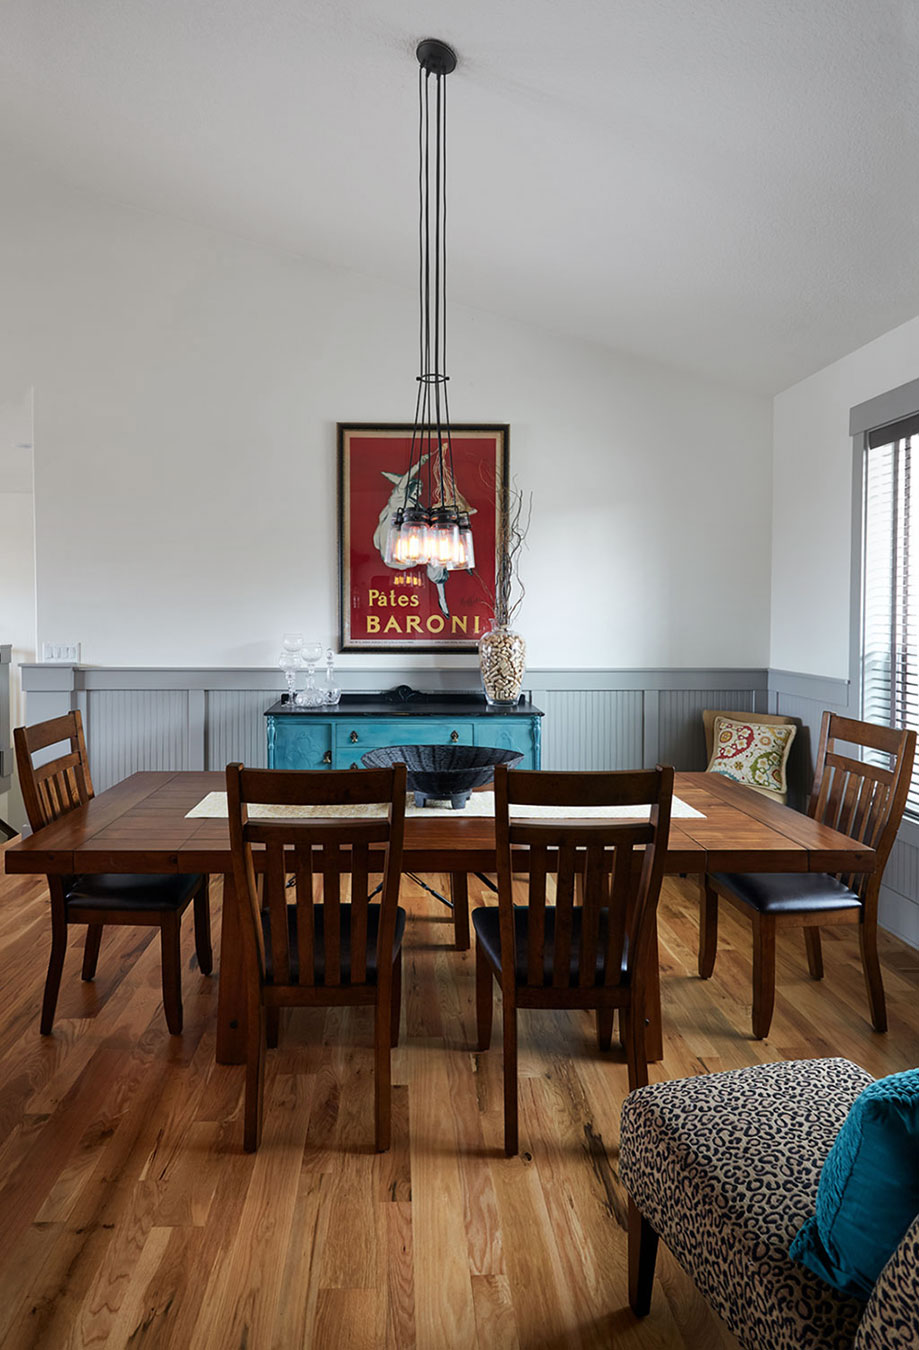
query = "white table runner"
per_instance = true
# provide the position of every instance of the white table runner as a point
(480, 804)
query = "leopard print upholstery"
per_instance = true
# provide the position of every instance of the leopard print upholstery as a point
(891, 1320)
(725, 1169)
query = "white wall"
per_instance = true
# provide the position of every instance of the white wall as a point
(187, 389)
(17, 564)
(812, 492)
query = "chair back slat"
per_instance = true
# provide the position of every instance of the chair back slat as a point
(568, 864)
(331, 905)
(60, 785)
(594, 900)
(620, 897)
(319, 850)
(860, 797)
(597, 857)
(306, 916)
(360, 902)
(536, 929)
(276, 898)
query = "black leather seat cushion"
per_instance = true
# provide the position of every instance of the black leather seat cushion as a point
(788, 892)
(487, 925)
(127, 892)
(373, 928)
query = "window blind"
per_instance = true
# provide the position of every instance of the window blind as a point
(890, 583)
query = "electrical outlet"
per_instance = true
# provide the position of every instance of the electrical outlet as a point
(67, 653)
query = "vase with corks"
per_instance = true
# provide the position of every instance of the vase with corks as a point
(502, 651)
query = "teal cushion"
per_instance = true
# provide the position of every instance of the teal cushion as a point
(868, 1193)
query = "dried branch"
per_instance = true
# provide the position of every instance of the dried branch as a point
(512, 533)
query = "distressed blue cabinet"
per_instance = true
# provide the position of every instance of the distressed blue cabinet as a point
(317, 738)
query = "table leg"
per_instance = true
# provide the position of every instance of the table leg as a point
(459, 894)
(231, 999)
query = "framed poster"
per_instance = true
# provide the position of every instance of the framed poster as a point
(419, 608)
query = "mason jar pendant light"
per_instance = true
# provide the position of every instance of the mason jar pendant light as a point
(428, 528)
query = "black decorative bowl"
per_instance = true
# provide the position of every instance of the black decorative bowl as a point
(438, 772)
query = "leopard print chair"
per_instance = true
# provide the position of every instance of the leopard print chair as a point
(724, 1167)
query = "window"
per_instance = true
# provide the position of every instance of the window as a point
(890, 581)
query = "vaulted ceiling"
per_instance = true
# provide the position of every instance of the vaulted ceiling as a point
(725, 186)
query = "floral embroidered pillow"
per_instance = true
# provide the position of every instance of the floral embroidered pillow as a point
(751, 752)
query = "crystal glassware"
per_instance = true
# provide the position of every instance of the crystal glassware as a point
(310, 696)
(290, 662)
(331, 692)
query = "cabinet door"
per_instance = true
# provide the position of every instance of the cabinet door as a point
(509, 733)
(295, 744)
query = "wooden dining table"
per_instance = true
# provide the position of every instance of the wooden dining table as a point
(142, 825)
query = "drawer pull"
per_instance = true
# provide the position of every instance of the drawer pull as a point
(454, 735)
(353, 738)
(353, 766)
(327, 757)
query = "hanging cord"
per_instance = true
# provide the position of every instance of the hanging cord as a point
(443, 207)
(416, 454)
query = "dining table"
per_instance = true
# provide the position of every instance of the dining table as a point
(142, 824)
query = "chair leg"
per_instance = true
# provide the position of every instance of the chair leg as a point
(708, 928)
(605, 1027)
(814, 952)
(874, 983)
(511, 1124)
(203, 948)
(55, 967)
(272, 1027)
(642, 1258)
(396, 1009)
(763, 975)
(382, 1075)
(170, 942)
(255, 1078)
(484, 998)
(633, 1035)
(91, 950)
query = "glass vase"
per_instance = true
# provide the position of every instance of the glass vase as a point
(502, 658)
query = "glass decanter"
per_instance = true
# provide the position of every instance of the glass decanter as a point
(331, 692)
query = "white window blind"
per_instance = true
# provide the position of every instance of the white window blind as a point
(890, 583)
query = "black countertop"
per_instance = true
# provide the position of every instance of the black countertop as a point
(417, 705)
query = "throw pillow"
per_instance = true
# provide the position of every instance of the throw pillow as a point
(868, 1193)
(754, 753)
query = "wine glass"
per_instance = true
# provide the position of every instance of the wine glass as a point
(290, 662)
(310, 696)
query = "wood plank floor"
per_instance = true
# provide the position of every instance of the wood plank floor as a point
(129, 1215)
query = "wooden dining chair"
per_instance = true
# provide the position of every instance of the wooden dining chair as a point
(566, 955)
(318, 955)
(862, 798)
(51, 790)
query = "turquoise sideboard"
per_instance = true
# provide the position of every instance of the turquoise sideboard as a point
(336, 737)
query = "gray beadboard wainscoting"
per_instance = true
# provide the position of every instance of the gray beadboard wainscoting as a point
(6, 735)
(170, 718)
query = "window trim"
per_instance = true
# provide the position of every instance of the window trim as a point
(893, 406)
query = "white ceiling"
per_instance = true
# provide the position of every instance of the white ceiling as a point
(726, 186)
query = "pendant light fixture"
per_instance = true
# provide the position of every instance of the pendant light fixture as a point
(428, 528)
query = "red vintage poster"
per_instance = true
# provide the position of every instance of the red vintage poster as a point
(391, 608)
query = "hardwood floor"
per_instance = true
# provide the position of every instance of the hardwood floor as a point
(130, 1216)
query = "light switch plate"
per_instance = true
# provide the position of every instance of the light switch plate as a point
(67, 653)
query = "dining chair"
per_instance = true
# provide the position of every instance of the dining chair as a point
(62, 784)
(318, 955)
(861, 797)
(566, 955)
